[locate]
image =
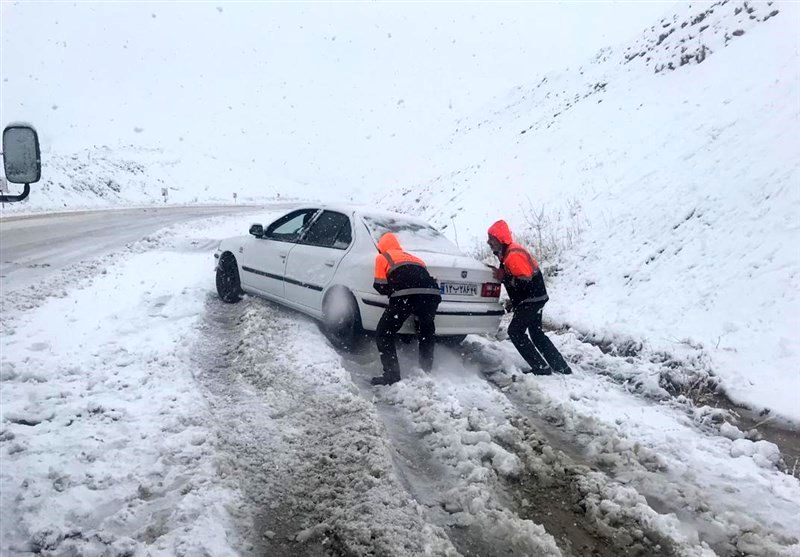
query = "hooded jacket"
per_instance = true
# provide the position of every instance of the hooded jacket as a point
(522, 276)
(398, 273)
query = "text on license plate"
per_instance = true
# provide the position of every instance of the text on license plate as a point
(459, 288)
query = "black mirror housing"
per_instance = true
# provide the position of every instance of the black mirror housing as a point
(257, 230)
(22, 159)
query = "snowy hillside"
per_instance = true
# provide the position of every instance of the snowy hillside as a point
(101, 177)
(668, 170)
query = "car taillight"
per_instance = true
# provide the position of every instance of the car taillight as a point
(490, 290)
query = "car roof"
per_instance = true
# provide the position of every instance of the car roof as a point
(362, 210)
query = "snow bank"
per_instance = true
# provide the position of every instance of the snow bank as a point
(727, 493)
(106, 441)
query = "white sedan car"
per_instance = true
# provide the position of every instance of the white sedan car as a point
(320, 261)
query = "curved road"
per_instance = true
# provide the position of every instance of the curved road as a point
(34, 246)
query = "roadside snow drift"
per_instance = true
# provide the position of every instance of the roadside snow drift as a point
(106, 440)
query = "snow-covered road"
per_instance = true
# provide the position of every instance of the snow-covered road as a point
(141, 416)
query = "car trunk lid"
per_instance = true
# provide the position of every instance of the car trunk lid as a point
(460, 278)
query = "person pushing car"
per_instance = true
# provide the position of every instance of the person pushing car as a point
(412, 291)
(522, 277)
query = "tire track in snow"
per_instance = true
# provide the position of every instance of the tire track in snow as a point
(467, 424)
(307, 450)
(484, 514)
(449, 468)
(736, 507)
(245, 424)
(614, 511)
(589, 513)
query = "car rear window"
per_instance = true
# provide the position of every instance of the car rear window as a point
(413, 235)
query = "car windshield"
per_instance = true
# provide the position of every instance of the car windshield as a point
(413, 235)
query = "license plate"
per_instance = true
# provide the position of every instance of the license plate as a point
(459, 288)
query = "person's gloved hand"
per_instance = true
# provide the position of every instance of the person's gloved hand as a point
(498, 273)
(509, 306)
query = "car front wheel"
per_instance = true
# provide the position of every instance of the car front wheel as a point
(229, 287)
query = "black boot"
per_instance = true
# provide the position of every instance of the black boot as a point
(539, 370)
(566, 370)
(384, 380)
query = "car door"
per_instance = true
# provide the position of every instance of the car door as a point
(312, 262)
(264, 259)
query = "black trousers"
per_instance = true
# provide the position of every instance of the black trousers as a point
(528, 321)
(423, 306)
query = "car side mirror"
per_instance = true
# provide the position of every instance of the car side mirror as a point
(22, 160)
(257, 230)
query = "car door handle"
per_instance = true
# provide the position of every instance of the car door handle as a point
(330, 263)
(283, 256)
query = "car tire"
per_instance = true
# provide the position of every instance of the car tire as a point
(341, 319)
(229, 287)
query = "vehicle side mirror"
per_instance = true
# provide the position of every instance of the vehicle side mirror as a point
(22, 158)
(257, 230)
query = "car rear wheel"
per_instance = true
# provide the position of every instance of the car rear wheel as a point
(341, 319)
(229, 287)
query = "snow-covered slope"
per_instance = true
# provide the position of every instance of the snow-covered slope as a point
(669, 167)
(102, 176)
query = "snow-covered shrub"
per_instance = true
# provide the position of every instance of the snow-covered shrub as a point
(550, 233)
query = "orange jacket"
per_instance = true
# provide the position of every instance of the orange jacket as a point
(523, 278)
(398, 273)
(515, 259)
(392, 256)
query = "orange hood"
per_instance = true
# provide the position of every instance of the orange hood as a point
(388, 241)
(501, 231)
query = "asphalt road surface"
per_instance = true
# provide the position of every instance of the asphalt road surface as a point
(32, 247)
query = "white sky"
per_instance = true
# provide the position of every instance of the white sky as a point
(335, 93)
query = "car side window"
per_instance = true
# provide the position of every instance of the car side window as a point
(330, 230)
(345, 236)
(289, 227)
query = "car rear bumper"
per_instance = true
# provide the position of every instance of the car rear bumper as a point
(452, 318)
